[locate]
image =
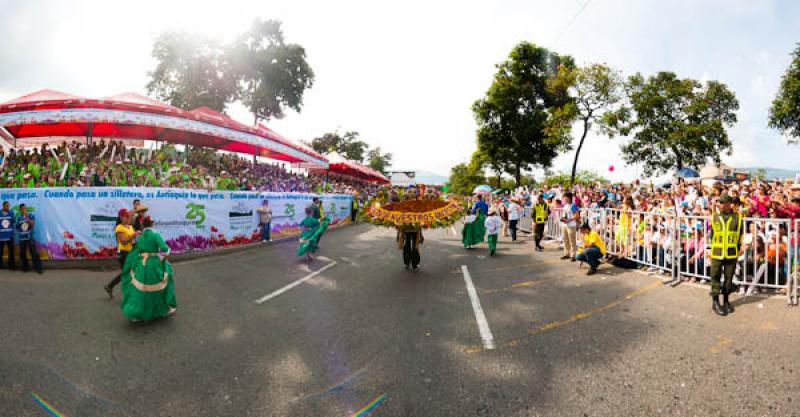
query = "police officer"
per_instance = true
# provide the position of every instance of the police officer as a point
(726, 232)
(541, 212)
(25, 224)
(7, 234)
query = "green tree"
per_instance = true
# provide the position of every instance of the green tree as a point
(759, 174)
(595, 90)
(784, 114)
(512, 117)
(272, 75)
(464, 177)
(348, 145)
(191, 71)
(583, 178)
(675, 122)
(379, 161)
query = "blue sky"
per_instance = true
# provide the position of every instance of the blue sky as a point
(405, 74)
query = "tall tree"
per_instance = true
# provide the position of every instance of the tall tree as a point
(512, 117)
(675, 122)
(379, 161)
(595, 90)
(784, 114)
(191, 72)
(273, 74)
(347, 144)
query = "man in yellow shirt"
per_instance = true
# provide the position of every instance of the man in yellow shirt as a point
(593, 248)
(126, 238)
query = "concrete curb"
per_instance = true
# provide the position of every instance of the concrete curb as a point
(178, 257)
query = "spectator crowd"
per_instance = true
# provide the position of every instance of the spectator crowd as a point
(101, 163)
(660, 226)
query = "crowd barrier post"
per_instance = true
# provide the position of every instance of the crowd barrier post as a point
(794, 242)
(676, 245)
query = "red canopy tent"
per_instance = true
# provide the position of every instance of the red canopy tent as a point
(338, 164)
(49, 113)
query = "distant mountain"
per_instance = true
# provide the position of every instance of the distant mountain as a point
(773, 172)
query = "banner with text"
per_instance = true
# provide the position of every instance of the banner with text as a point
(79, 222)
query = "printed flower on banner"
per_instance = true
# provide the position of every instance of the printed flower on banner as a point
(68, 235)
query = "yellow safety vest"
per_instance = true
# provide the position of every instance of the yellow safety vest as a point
(725, 242)
(541, 213)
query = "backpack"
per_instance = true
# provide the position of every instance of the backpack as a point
(623, 263)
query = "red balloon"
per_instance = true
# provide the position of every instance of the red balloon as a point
(611, 168)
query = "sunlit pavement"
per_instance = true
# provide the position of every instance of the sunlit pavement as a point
(366, 332)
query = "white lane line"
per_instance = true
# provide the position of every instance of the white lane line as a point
(483, 325)
(294, 284)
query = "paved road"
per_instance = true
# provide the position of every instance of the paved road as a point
(615, 344)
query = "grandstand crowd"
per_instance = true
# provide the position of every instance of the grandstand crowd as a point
(102, 163)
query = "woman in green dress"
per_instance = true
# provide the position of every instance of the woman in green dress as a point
(474, 228)
(148, 290)
(312, 230)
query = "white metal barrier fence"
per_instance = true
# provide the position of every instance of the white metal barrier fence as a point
(526, 221)
(680, 245)
(553, 228)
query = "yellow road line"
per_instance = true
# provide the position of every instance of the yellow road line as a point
(522, 284)
(577, 317)
(509, 268)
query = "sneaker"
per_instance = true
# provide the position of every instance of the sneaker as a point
(592, 271)
(573, 259)
(565, 257)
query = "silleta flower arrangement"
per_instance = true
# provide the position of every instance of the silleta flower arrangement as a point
(429, 212)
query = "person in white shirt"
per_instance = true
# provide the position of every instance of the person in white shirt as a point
(569, 224)
(514, 213)
(493, 225)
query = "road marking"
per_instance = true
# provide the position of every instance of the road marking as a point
(294, 284)
(483, 325)
(577, 317)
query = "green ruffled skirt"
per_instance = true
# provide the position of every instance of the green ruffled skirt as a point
(148, 289)
(474, 233)
(309, 238)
